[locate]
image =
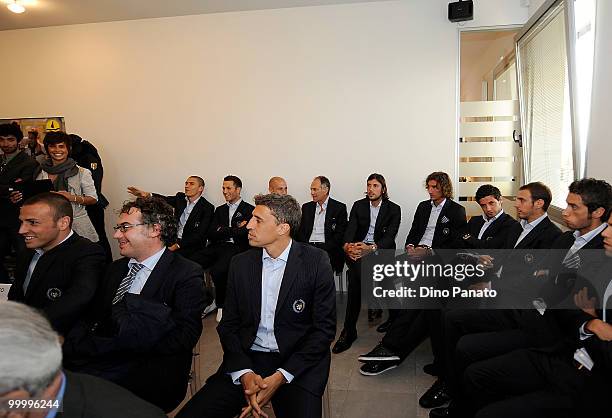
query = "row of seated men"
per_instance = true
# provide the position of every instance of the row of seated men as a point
(440, 192)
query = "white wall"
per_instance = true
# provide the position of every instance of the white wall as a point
(336, 90)
(599, 151)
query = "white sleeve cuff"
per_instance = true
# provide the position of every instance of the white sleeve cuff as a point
(237, 375)
(288, 376)
(584, 334)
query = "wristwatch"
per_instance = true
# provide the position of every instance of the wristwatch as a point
(374, 247)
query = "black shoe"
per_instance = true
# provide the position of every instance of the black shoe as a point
(437, 395)
(443, 412)
(374, 314)
(384, 327)
(380, 353)
(374, 368)
(431, 369)
(344, 342)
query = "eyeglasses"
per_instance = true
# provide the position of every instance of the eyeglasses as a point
(124, 227)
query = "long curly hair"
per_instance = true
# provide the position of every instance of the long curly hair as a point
(443, 181)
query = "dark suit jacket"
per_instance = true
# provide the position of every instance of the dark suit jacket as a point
(494, 236)
(64, 281)
(385, 230)
(447, 234)
(160, 373)
(221, 232)
(335, 227)
(195, 232)
(92, 397)
(303, 336)
(20, 167)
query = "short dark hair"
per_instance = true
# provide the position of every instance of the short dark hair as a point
(155, 210)
(58, 137)
(11, 129)
(538, 190)
(595, 194)
(324, 182)
(236, 180)
(444, 181)
(60, 206)
(381, 179)
(199, 179)
(285, 209)
(487, 190)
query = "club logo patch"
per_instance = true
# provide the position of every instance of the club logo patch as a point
(54, 293)
(446, 231)
(298, 306)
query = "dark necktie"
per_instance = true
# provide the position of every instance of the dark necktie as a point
(127, 281)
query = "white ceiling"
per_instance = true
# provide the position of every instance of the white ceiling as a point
(67, 12)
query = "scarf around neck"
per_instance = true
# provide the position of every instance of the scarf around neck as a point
(62, 172)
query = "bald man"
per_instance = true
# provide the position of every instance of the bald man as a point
(277, 185)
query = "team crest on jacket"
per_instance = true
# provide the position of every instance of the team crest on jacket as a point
(54, 293)
(298, 306)
(446, 231)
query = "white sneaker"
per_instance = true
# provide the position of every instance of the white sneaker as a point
(219, 314)
(210, 308)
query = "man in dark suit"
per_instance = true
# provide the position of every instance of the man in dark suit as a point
(373, 224)
(147, 317)
(30, 369)
(554, 377)
(278, 323)
(438, 224)
(227, 236)
(324, 222)
(15, 166)
(193, 214)
(60, 271)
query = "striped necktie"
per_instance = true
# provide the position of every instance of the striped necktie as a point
(127, 281)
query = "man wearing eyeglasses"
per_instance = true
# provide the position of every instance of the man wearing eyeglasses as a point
(147, 318)
(60, 271)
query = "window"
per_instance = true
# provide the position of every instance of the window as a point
(555, 79)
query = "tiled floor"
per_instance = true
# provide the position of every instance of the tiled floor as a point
(393, 394)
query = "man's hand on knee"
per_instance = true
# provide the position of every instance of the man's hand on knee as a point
(252, 384)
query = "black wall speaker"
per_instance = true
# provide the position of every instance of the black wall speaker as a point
(460, 11)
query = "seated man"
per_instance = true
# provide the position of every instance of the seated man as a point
(324, 222)
(277, 185)
(31, 368)
(60, 271)
(283, 355)
(15, 166)
(147, 318)
(228, 236)
(193, 215)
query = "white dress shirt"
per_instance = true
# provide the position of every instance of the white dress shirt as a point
(271, 278)
(374, 210)
(428, 235)
(318, 227)
(185, 216)
(528, 226)
(143, 275)
(37, 254)
(233, 207)
(488, 222)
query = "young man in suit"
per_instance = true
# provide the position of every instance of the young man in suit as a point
(227, 236)
(60, 271)
(31, 369)
(278, 323)
(15, 166)
(324, 222)
(193, 215)
(147, 317)
(547, 381)
(373, 224)
(438, 224)
(277, 185)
